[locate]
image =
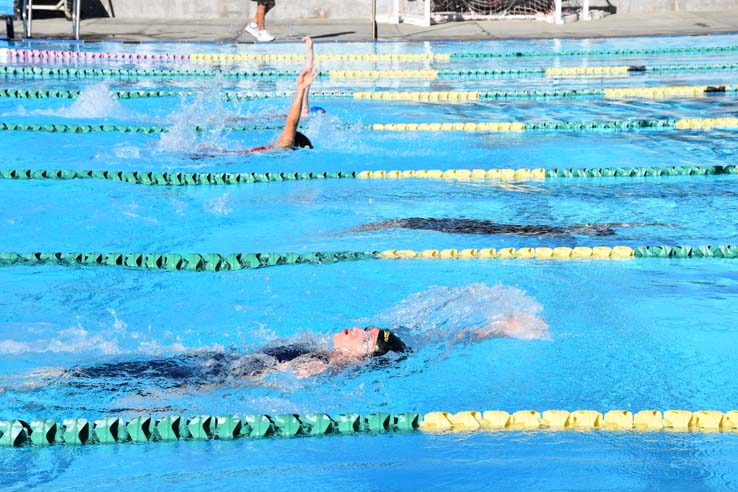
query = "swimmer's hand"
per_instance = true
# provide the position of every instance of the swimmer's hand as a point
(203, 151)
(199, 157)
(308, 43)
(306, 78)
(522, 327)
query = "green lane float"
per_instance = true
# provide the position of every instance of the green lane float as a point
(154, 178)
(425, 74)
(74, 94)
(68, 72)
(141, 429)
(145, 129)
(141, 94)
(215, 262)
(172, 178)
(193, 262)
(147, 428)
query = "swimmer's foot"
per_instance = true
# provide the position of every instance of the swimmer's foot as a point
(608, 229)
(378, 226)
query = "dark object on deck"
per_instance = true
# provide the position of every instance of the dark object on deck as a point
(10, 31)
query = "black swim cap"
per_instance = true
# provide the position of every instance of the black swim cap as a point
(302, 141)
(388, 342)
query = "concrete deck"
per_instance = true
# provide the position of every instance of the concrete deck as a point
(231, 30)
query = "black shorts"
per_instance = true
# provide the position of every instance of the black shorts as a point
(269, 4)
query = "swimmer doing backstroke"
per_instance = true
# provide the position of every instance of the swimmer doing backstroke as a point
(351, 346)
(289, 138)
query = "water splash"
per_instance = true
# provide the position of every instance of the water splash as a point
(449, 315)
(96, 101)
(206, 111)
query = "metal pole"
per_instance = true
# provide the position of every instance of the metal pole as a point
(374, 20)
(557, 14)
(75, 18)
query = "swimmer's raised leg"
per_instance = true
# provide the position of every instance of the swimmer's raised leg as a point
(608, 229)
(309, 66)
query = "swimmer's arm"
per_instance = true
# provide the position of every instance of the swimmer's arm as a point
(308, 367)
(198, 157)
(308, 66)
(287, 138)
(469, 336)
(498, 329)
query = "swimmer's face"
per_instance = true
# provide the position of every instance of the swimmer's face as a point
(356, 341)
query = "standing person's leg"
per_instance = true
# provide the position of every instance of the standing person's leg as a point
(257, 28)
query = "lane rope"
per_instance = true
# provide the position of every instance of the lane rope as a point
(591, 125)
(35, 54)
(615, 92)
(22, 93)
(214, 262)
(66, 72)
(488, 127)
(146, 428)
(657, 92)
(145, 129)
(224, 178)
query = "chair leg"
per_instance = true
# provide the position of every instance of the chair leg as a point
(68, 13)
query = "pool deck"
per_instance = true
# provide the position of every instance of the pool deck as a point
(231, 30)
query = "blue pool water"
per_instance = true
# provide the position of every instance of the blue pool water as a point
(636, 334)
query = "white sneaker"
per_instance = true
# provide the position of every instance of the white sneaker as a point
(263, 36)
(252, 29)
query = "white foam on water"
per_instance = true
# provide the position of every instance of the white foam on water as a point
(219, 205)
(126, 151)
(8, 347)
(115, 339)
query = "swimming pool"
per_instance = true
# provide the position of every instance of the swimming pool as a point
(631, 334)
